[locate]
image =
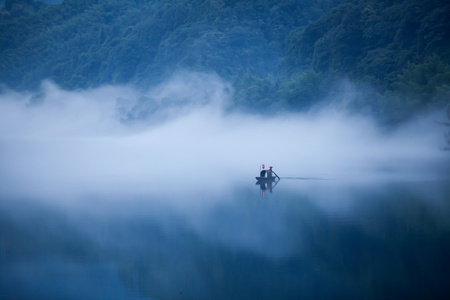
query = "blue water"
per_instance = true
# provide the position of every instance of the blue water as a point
(306, 238)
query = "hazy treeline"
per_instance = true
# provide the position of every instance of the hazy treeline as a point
(279, 55)
(87, 43)
(401, 48)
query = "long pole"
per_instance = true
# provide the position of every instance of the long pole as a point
(276, 175)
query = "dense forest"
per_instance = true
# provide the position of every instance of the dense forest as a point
(279, 55)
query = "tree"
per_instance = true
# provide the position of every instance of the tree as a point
(424, 84)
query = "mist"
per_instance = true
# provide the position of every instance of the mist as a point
(117, 140)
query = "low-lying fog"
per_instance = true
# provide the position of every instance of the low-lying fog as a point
(181, 135)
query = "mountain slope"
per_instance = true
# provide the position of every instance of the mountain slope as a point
(278, 55)
(87, 43)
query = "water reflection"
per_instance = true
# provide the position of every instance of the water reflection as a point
(310, 239)
(266, 185)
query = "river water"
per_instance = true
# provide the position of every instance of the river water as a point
(104, 201)
(310, 237)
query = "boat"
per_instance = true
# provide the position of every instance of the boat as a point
(265, 179)
(264, 175)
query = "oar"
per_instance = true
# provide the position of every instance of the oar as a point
(276, 175)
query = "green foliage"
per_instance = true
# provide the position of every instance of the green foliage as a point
(401, 48)
(255, 92)
(278, 54)
(425, 84)
(271, 95)
(21, 8)
(418, 87)
(139, 41)
(303, 90)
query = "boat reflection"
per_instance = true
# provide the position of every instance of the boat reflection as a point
(266, 179)
(265, 185)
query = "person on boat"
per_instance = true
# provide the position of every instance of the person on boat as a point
(270, 172)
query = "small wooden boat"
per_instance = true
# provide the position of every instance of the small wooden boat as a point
(266, 179)
(262, 175)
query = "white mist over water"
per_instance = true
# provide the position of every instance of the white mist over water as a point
(115, 153)
(179, 136)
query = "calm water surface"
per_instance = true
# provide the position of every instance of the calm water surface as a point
(306, 238)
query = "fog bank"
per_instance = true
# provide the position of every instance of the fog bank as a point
(116, 140)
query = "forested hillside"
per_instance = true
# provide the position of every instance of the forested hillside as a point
(279, 55)
(400, 48)
(87, 43)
